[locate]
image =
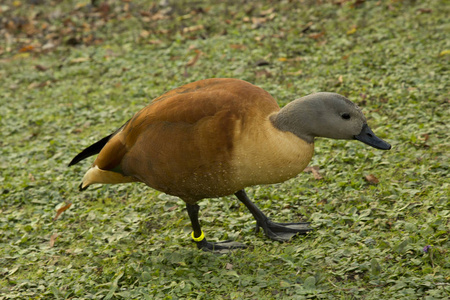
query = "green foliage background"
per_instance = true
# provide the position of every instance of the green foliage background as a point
(76, 72)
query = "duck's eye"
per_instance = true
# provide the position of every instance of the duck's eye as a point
(345, 116)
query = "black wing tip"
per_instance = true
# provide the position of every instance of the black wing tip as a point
(91, 150)
(94, 148)
(81, 188)
(73, 161)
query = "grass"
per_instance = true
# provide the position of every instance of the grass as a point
(71, 73)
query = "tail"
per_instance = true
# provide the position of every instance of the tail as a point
(91, 150)
(94, 174)
(95, 148)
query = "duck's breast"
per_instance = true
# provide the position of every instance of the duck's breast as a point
(263, 154)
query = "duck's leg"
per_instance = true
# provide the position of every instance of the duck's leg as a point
(276, 231)
(199, 237)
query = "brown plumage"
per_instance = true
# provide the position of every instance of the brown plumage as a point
(197, 141)
(213, 138)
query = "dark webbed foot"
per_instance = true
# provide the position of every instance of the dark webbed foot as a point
(219, 246)
(282, 231)
(276, 231)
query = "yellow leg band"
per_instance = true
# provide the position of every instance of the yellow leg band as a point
(198, 239)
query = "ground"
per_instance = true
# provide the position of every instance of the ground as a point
(72, 72)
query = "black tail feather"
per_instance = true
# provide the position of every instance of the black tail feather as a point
(91, 150)
(95, 148)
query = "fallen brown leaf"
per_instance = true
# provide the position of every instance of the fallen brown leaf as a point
(31, 177)
(322, 202)
(307, 27)
(193, 28)
(352, 30)
(229, 266)
(34, 85)
(104, 9)
(62, 209)
(79, 60)
(154, 42)
(316, 36)
(29, 28)
(144, 34)
(238, 46)
(27, 48)
(258, 21)
(262, 73)
(425, 137)
(267, 11)
(315, 171)
(298, 72)
(425, 10)
(371, 179)
(194, 60)
(53, 239)
(173, 208)
(41, 68)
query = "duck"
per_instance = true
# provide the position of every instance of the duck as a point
(215, 137)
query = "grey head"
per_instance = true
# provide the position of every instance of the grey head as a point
(327, 115)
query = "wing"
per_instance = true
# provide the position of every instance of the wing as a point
(220, 103)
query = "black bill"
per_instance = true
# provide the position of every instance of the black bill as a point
(368, 137)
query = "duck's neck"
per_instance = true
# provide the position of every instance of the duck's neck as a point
(296, 117)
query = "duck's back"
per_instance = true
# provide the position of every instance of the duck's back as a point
(206, 139)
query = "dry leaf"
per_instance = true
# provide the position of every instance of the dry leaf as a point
(194, 60)
(53, 239)
(262, 73)
(425, 10)
(144, 34)
(27, 48)
(260, 38)
(371, 179)
(299, 72)
(258, 21)
(307, 27)
(316, 36)
(79, 60)
(104, 9)
(322, 202)
(425, 137)
(267, 12)
(315, 171)
(41, 68)
(31, 177)
(238, 46)
(173, 208)
(34, 85)
(29, 28)
(48, 46)
(62, 209)
(351, 30)
(155, 42)
(229, 266)
(193, 28)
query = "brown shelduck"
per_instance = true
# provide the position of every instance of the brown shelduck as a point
(214, 137)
